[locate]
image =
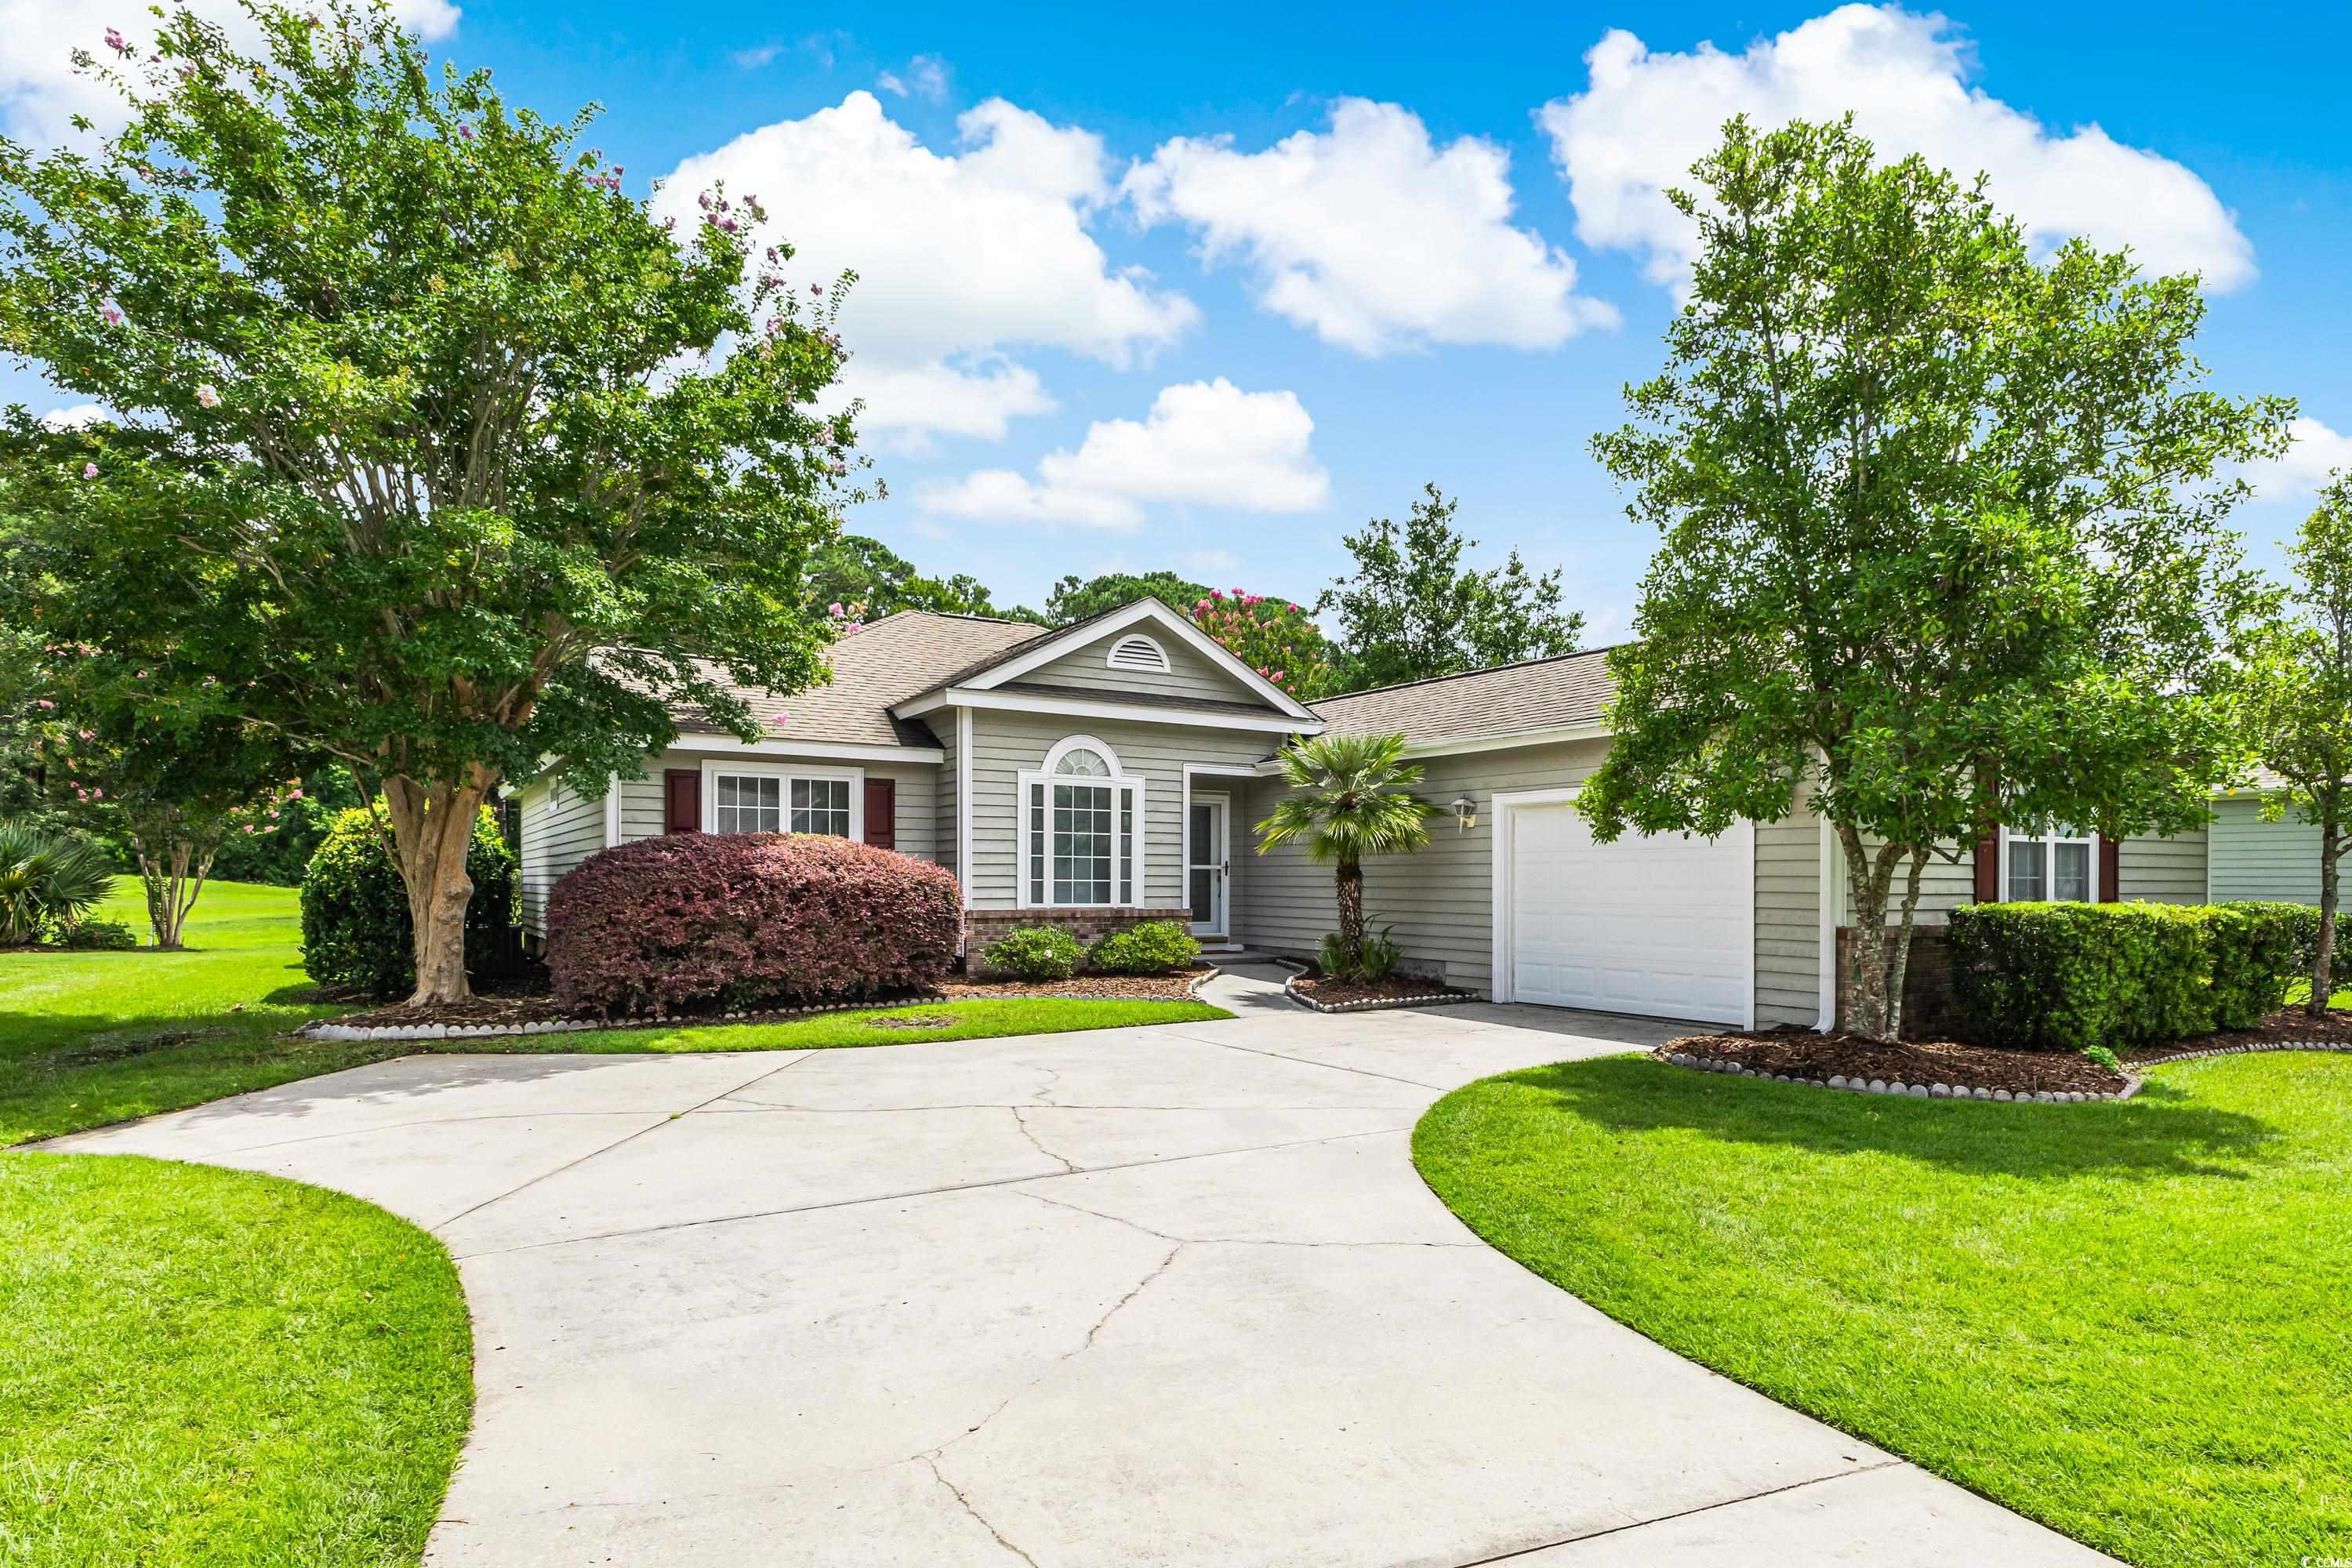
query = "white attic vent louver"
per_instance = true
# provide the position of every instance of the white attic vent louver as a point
(1137, 652)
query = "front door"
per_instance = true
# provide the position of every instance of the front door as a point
(1204, 871)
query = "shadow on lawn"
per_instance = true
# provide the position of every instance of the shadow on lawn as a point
(2160, 1132)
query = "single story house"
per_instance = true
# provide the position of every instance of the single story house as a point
(1112, 771)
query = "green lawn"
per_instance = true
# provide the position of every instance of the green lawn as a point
(87, 1038)
(2129, 1321)
(212, 1367)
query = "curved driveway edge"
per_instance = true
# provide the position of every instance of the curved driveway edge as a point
(1157, 1296)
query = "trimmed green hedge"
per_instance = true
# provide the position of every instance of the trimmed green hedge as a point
(2062, 977)
(356, 933)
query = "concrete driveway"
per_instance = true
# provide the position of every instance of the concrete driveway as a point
(1167, 1295)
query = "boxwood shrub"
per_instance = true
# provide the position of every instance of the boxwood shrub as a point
(1035, 952)
(695, 920)
(2065, 976)
(1147, 947)
(356, 933)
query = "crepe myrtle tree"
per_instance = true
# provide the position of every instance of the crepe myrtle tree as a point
(2296, 686)
(434, 451)
(1939, 527)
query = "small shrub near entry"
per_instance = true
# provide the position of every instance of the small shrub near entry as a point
(1035, 952)
(1376, 959)
(1150, 947)
(693, 920)
(356, 933)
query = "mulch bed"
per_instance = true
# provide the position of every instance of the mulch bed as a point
(1394, 987)
(2287, 1024)
(1805, 1055)
(1088, 987)
(518, 1010)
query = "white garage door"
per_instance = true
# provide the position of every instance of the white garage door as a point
(1657, 926)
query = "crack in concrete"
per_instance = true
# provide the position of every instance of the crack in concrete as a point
(1239, 1240)
(665, 1120)
(918, 1193)
(1020, 1119)
(982, 1519)
(1519, 1552)
(1063, 1359)
(1311, 1062)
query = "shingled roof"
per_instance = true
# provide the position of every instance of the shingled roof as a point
(1538, 694)
(895, 657)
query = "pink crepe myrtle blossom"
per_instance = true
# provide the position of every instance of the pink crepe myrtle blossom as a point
(114, 41)
(208, 396)
(89, 470)
(779, 721)
(466, 132)
(87, 734)
(44, 704)
(112, 313)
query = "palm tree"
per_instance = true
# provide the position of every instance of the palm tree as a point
(1351, 796)
(45, 879)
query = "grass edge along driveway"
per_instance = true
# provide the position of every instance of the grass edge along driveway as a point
(91, 1039)
(2124, 1320)
(219, 1367)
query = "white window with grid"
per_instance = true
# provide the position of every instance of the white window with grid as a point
(2055, 863)
(1079, 817)
(782, 798)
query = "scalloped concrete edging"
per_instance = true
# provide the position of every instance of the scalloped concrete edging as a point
(1698, 1063)
(1371, 1004)
(329, 1030)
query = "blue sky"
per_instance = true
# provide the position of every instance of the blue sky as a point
(1206, 291)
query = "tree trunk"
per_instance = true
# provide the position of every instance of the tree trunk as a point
(2323, 960)
(172, 865)
(1868, 882)
(1351, 911)
(432, 827)
(1898, 962)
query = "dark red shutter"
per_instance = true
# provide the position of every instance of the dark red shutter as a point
(1987, 858)
(882, 813)
(681, 800)
(2111, 865)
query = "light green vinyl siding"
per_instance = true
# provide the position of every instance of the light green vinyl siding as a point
(1189, 673)
(943, 814)
(2258, 859)
(1006, 744)
(2162, 870)
(1788, 919)
(559, 828)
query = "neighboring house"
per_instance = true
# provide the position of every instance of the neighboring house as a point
(1112, 771)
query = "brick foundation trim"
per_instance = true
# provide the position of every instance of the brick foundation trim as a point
(1930, 1010)
(983, 927)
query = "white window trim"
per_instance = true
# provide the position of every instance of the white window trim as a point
(712, 768)
(1119, 781)
(2050, 871)
(1502, 983)
(1110, 654)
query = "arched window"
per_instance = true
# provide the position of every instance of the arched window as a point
(1080, 821)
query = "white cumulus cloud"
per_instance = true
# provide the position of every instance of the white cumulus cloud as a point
(1203, 443)
(2318, 452)
(40, 91)
(927, 78)
(1645, 118)
(75, 417)
(962, 257)
(1371, 234)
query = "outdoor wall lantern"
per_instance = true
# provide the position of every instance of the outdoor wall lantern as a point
(1465, 813)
